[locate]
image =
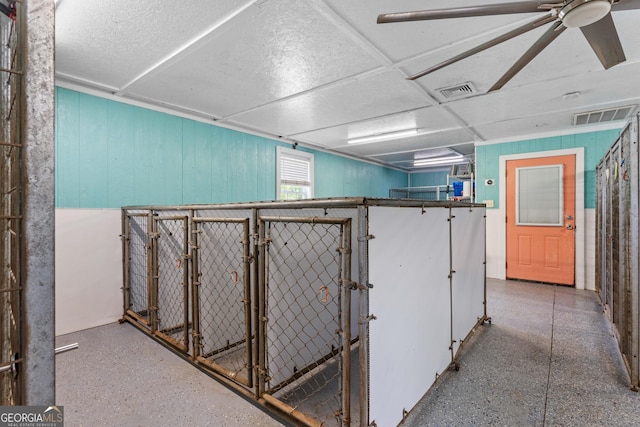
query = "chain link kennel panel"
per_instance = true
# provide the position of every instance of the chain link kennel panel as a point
(222, 333)
(306, 315)
(136, 253)
(171, 280)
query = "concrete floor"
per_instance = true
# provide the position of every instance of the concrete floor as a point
(548, 359)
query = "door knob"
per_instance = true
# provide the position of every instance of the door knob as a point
(569, 226)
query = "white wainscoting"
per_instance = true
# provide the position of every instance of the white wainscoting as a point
(88, 268)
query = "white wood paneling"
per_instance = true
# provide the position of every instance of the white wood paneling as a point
(496, 244)
(88, 268)
(590, 249)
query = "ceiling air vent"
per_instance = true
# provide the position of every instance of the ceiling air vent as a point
(602, 116)
(457, 91)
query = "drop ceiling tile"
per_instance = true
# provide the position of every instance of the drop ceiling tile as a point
(399, 41)
(112, 42)
(428, 119)
(274, 50)
(596, 90)
(567, 56)
(447, 138)
(482, 69)
(322, 71)
(353, 100)
(405, 156)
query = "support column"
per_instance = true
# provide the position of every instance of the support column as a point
(38, 326)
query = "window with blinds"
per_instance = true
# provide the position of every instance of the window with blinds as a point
(294, 174)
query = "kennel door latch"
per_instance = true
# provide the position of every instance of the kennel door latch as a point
(367, 237)
(355, 286)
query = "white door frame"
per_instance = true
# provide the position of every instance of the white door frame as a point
(580, 243)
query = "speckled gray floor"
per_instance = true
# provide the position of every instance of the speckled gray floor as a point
(120, 377)
(548, 359)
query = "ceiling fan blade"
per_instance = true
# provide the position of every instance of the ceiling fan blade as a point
(464, 12)
(550, 35)
(495, 41)
(604, 40)
(625, 5)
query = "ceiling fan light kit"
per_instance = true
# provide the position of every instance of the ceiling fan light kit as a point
(580, 13)
(593, 17)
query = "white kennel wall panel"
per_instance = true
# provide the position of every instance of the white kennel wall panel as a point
(468, 255)
(410, 336)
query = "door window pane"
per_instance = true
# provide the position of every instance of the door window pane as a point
(539, 195)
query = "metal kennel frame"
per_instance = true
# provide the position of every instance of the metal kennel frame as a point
(11, 202)
(617, 235)
(272, 298)
(430, 192)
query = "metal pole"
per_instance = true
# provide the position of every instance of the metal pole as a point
(246, 261)
(185, 281)
(66, 348)
(484, 261)
(261, 303)
(346, 325)
(195, 287)
(36, 26)
(126, 286)
(634, 253)
(292, 412)
(256, 361)
(152, 258)
(348, 202)
(363, 312)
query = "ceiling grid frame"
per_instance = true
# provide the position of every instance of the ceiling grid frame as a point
(321, 104)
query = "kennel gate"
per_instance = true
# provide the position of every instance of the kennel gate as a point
(156, 275)
(305, 289)
(276, 307)
(170, 269)
(136, 249)
(617, 236)
(222, 296)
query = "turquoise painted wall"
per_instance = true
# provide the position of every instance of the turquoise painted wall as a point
(110, 154)
(438, 177)
(595, 146)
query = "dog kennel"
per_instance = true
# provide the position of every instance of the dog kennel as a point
(617, 233)
(331, 312)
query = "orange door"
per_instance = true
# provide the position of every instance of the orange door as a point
(541, 219)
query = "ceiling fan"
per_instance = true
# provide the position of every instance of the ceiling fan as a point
(593, 17)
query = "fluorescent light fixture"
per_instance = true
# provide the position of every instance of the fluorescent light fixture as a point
(435, 153)
(383, 136)
(439, 161)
